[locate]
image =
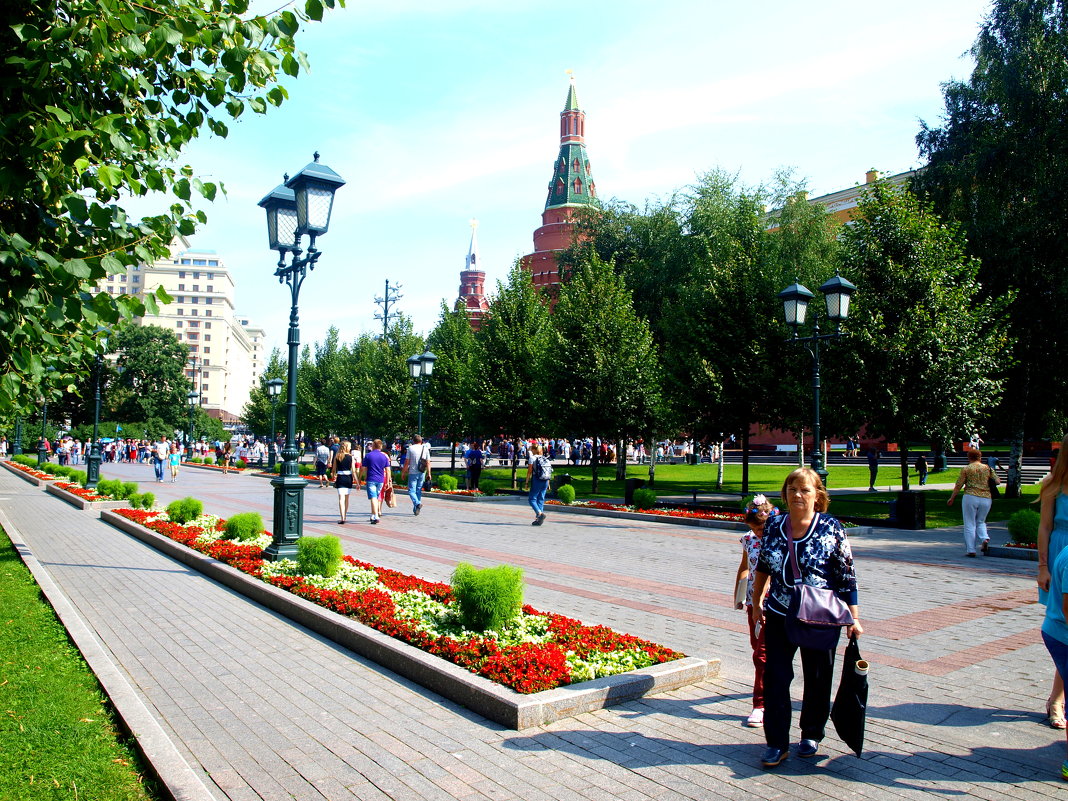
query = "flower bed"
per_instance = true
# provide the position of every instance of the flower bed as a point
(1033, 546)
(30, 471)
(82, 492)
(540, 651)
(662, 511)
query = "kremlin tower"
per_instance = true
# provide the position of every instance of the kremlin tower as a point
(571, 188)
(472, 283)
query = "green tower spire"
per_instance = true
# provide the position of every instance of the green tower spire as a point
(571, 184)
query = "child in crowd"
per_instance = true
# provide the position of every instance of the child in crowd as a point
(757, 513)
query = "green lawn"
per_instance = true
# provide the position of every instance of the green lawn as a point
(58, 738)
(681, 479)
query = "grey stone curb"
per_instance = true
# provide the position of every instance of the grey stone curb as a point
(1024, 554)
(499, 704)
(472, 499)
(176, 777)
(37, 482)
(81, 503)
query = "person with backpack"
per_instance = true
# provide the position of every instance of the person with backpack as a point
(539, 471)
(416, 470)
(474, 458)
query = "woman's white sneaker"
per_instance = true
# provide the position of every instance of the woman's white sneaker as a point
(756, 718)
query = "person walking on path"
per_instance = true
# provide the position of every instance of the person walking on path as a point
(1052, 540)
(824, 560)
(757, 512)
(975, 480)
(160, 455)
(539, 471)
(323, 460)
(227, 456)
(375, 465)
(873, 467)
(921, 469)
(342, 468)
(416, 470)
(1055, 624)
(174, 458)
(474, 458)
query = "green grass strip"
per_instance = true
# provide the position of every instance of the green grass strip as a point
(58, 736)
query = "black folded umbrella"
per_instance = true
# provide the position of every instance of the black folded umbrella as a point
(851, 702)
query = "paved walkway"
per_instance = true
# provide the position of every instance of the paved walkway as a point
(262, 709)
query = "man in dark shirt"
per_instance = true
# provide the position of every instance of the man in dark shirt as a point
(474, 458)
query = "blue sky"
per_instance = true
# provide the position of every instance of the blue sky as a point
(436, 113)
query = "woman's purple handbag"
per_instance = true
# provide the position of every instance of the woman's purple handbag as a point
(816, 615)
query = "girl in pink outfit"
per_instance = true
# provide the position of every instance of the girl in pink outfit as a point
(757, 512)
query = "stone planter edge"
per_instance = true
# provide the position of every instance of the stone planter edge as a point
(500, 704)
(81, 503)
(37, 482)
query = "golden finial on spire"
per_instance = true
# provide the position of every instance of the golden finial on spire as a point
(474, 223)
(570, 74)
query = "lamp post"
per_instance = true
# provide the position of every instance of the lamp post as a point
(42, 451)
(92, 463)
(192, 397)
(795, 298)
(301, 206)
(421, 366)
(274, 389)
(16, 446)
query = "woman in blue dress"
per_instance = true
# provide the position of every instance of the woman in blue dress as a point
(1052, 539)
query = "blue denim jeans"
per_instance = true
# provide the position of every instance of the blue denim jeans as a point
(158, 465)
(415, 487)
(536, 498)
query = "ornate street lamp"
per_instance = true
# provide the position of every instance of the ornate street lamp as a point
(795, 299)
(92, 463)
(421, 366)
(16, 446)
(274, 389)
(301, 206)
(193, 397)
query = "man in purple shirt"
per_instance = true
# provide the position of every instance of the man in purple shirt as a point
(375, 465)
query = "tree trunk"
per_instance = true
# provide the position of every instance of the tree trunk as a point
(1015, 477)
(594, 457)
(515, 460)
(621, 460)
(719, 474)
(745, 460)
(904, 450)
(452, 467)
(801, 448)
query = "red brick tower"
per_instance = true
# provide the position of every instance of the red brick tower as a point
(472, 283)
(571, 188)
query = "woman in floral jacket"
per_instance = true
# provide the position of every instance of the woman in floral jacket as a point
(825, 561)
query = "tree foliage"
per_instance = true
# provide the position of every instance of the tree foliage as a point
(150, 380)
(998, 163)
(450, 394)
(99, 99)
(920, 350)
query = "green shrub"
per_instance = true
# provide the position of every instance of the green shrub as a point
(196, 460)
(184, 510)
(447, 483)
(135, 500)
(128, 489)
(565, 493)
(24, 460)
(109, 486)
(318, 556)
(49, 468)
(488, 598)
(79, 477)
(644, 498)
(243, 526)
(209, 460)
(1023, 526)
(148, 500)
(240, 464)
(488, 486)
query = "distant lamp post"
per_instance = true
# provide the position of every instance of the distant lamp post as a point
(16, 446)
(42, 451)
(421, 367)
(193, 397)
(795, 299)
(92, 463)
(301, 206)
(274, 389)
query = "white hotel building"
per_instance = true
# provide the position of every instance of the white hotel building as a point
(226, 351)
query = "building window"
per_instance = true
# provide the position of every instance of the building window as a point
(207, 337)
(211, 288)
(181, 287)
(192, 336)
(196, 287)
(193, 349)
(181, 273)
(179, 323)
(196, 276)
(209, 300)
(194, 312)
(193, 324)
(136, 279)
(212, 263)
(207, 361)
(207, 349)
(211, 276)
(203, 387)
(208, 325)
(193, 299)
(207, 312)
(578, 186)
(180, 312)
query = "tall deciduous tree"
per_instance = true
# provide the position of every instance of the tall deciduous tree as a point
(257, 412)
(920, 349)
(99, 99)
(602, 368)
(151, 381)
(450, 394)
(999, 164)
(509, 384)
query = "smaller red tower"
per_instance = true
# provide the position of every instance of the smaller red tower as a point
(472, 283)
